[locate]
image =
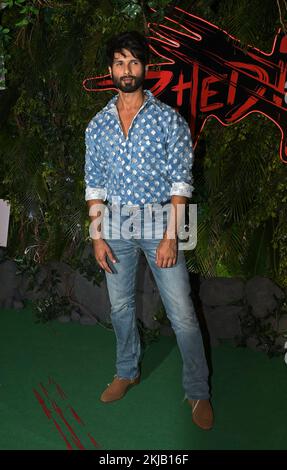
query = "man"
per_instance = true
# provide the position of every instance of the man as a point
(139, 151)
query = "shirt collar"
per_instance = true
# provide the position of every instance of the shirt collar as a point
(111, 106)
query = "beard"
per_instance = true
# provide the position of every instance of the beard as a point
(129, 86)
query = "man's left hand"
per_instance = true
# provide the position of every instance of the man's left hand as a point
(166, 253)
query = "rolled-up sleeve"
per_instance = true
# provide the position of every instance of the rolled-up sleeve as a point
(95, 169)
(180, 157)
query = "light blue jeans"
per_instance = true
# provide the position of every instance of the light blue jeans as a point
(175, 291)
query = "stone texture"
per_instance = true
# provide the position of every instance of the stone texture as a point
(8, 282)
(7, 303)
(88, 320)
(281, 328)
(64, 319)
(91, 302)
(39, 289)
(17, 304)
(166, 330)
(67, 276)
(75, 316)
(252, 343)
(223, 322)
(92, 298)
(221, 291)
(262, 294)
(282, 324)
(2, 253)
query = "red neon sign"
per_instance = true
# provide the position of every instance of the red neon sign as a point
(204, 73)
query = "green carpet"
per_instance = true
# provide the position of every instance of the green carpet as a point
(68, 366)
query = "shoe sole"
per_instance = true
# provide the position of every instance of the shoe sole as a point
(202, 427)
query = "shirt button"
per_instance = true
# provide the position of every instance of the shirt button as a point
(133, 160)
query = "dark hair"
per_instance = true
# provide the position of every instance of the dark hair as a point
(133, 41)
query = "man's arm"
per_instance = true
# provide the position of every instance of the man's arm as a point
(95, 179)
(95, 166)
(166, 254)
(180, 160)
(100, 247)
(180, 157)
(176, 217)
(96, 213)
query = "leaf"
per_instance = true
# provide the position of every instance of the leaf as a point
(22, 23)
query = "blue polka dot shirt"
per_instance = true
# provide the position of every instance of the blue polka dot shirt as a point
(150, 165)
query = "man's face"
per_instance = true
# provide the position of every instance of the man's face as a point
(127, 72)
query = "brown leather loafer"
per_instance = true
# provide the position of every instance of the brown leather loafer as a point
(202, 414)
(118, 388)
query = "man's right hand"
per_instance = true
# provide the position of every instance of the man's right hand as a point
(101, 251)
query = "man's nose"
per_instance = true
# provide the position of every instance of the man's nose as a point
(127, 69)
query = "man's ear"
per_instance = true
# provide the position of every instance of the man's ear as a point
(110, 71)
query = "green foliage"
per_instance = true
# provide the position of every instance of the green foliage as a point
(241, 202)
(51, 307)
(90, 269)
(265, 332)
(26, 10)
(4, 35)
(129, 8)
(27, 267)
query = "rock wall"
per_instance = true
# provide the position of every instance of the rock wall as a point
(224, 302)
